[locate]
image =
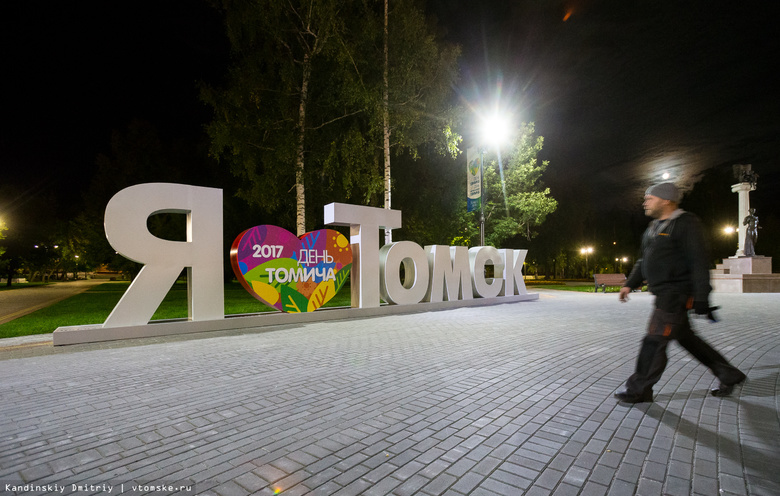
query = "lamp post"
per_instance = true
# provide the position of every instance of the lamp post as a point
(585, 252)
(495, 130)
(483, 196)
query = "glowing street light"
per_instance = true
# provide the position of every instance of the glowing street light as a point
(495, 131)
(585, 251)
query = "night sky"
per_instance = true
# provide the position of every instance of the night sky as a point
(624, 91)
(76, 70)
(621, 91)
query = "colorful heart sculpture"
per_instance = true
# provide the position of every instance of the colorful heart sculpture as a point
(291, 274)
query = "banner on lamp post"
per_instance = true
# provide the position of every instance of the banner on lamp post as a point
(473, 179)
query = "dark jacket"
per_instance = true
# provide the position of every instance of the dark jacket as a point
(674, 258)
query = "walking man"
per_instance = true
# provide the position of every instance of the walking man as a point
(675, 265)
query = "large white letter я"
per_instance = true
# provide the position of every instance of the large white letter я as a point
(126, 230)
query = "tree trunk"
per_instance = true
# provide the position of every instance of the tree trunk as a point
(386, 123)
(300, 192)
(11, 271)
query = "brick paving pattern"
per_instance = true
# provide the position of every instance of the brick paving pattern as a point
(503, 400)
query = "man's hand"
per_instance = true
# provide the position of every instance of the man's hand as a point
(624, 293)
(704, 308)
(701, 307)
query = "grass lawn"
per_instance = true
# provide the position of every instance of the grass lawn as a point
(560, 285)
(563, 287)
(94, 305)
(582, 288)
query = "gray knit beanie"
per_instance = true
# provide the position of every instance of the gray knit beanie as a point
(665, 191)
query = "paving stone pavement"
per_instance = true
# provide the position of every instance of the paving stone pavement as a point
(502, 400)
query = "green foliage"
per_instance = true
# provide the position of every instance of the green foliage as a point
(452, 141)
(284, 55)
(430, 192)
(353, 161)
(517, 202)
(423, 70)
(257, 130)
(33, 243)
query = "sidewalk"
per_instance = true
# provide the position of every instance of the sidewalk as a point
(19, 302)
(504, 400)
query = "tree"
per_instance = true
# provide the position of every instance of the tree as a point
(386, 111)
(418, 74)
(424, 191)
(262, 116)
(34, 233)
(307, 101)
(3, 228)
(517, 202)
(5, 263)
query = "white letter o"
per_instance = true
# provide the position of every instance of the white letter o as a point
(416, 275)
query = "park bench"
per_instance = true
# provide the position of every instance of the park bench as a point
(604, 280)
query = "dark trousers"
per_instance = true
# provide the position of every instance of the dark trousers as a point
(668, 322)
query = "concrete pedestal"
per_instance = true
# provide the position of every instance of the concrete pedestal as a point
(745, 275)
(745, 265)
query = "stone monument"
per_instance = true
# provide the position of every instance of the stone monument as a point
(747, 182)
(751, 233)
(745, 272)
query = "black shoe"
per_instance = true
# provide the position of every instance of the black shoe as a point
(627, 397)
(726, 389)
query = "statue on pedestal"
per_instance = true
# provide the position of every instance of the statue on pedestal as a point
(751, 235)
(747, 182)
(744, 173)
(732, 275)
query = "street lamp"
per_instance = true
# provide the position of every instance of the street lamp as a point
(495, 131)
(585, 252)
(729, 231)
